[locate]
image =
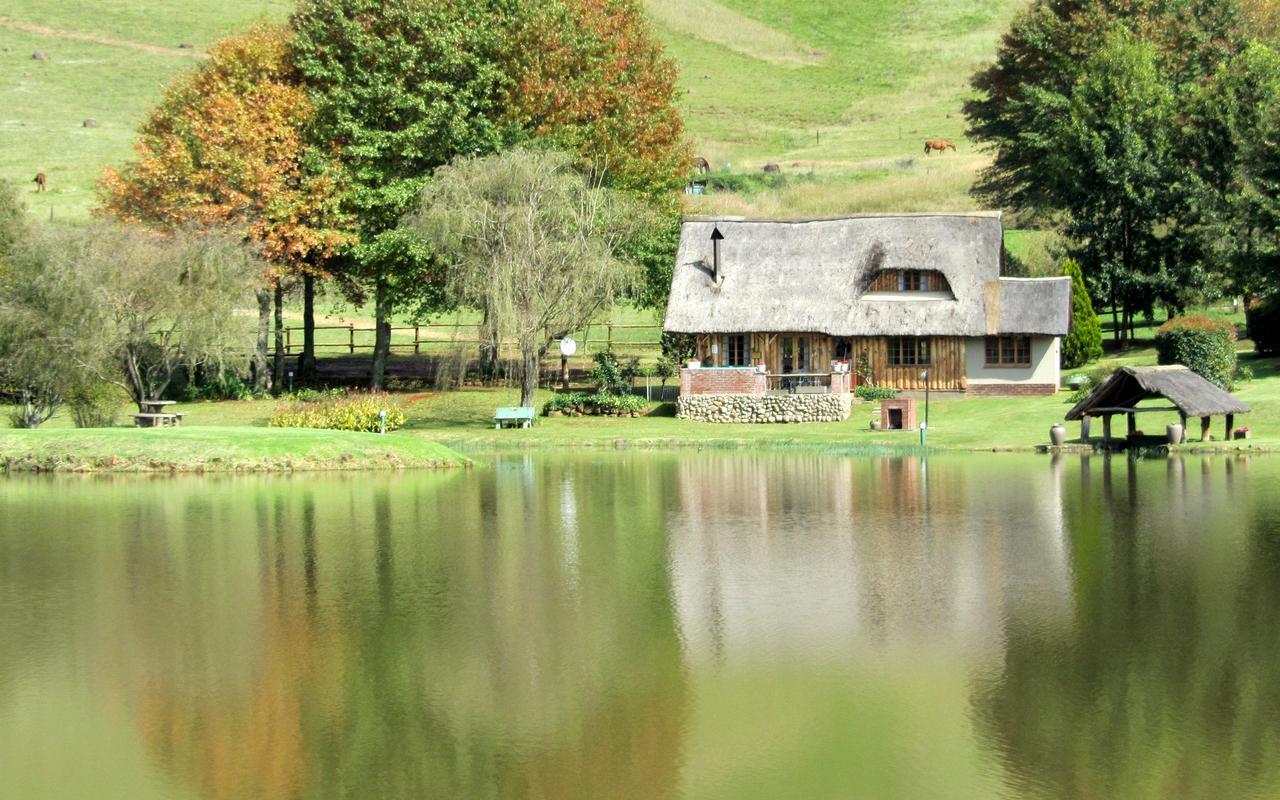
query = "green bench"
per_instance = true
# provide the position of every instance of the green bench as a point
(520, 416)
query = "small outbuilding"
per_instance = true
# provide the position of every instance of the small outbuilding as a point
(1190, 394)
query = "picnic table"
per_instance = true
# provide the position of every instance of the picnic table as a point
(520, 416)
(153, 415)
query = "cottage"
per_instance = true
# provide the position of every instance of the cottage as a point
(891, 295)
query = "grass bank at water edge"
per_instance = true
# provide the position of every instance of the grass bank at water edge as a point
(231, 448)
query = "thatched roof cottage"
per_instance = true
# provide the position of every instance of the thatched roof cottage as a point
(892, 295)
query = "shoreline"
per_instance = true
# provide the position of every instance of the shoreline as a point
(230, 449)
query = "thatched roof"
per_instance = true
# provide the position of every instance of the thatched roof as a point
(811, 276)
(1127, 386)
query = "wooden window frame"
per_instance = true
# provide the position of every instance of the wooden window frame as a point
(1006, 351)
(918, 348)
(727, 358)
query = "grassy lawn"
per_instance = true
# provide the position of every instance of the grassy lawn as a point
(225, 447)
(846, 92)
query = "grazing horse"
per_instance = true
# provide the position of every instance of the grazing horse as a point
(701, 165)
(940, 145)
(40, 181)
(772, 169)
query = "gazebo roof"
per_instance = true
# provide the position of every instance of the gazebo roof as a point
(1127, 386)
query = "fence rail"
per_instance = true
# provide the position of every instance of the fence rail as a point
(436, 337)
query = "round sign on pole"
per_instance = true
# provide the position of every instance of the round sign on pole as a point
(568, 347)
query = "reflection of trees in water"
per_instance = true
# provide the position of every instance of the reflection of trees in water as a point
(1165, 686)
(433, 641)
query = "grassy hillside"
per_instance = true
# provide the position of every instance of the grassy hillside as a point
(841, 95)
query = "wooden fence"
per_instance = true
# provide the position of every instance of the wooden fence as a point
(439, 338)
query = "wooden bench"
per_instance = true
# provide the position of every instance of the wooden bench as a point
(154, 420)
(520, 416)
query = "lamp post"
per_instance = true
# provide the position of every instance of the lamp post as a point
(924, 426)
(567, 348)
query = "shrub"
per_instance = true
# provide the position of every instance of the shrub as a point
(227, 386)
(1084, 383)
(610, 375)
(1084, 343)
(1206, 346)
(871, 392)
(355, 411)
(576, 404)
(95, 405)
(1262, 322)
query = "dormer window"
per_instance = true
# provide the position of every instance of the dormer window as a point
(929, 282)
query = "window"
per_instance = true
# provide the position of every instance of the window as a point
(1008, 351)
(795, 353)
(912, 280)
(908, 351)
(736, 352)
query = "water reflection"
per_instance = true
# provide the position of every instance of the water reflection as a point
(649, 626)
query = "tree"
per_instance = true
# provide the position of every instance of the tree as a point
(400, 88)
(1236, 187)
(128, 306)
(1083, 344)
(13, 219)
(227, 146)
(530, 239)
(590, 77)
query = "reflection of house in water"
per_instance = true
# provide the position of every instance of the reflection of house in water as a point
(830, 557)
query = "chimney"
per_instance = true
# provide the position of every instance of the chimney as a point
(716, 274)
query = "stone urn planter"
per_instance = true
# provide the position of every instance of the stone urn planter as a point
(1058, 435)
(1174, 433)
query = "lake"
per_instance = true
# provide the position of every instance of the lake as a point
(648, 625)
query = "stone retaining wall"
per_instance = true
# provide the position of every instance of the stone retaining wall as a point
(766, 408)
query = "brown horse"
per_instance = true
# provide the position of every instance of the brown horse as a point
(40, 181)
(701, 165)
(940, 145)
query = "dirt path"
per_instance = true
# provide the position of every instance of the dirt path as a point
(107, 40)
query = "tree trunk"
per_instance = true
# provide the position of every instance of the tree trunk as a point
(489, 345)
(262, 375)
(529, 362)
(382, 336)
(307, 363)
(277, 371)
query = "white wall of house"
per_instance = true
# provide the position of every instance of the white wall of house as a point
(1045, 363)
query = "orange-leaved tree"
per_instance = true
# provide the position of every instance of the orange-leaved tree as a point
(591, 77)
(227, 146)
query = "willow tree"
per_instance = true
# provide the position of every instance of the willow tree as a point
(533, 242)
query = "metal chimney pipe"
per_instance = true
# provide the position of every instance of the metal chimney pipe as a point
(716, 236)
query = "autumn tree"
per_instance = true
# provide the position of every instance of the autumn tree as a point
(227, 146)
(528, 237)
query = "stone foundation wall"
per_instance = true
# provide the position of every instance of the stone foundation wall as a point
(1011, 389)
(766, 408)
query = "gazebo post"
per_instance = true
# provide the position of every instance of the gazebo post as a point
(1182, 417)
(1133, 423)
(1106, 429)
(1204, 429)
(1084, 428)
(1231, 419)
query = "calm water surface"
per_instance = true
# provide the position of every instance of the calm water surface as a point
(648, 626)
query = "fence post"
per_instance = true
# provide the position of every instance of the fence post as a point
(288, 341)
(415, 339)
(609, 335)
(351, 333)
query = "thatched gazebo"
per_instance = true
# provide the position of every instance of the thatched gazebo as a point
(1190, 394)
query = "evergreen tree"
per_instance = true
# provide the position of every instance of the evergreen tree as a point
(1084, 343)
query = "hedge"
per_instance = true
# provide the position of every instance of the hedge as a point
(1206, 346)
(355, 411)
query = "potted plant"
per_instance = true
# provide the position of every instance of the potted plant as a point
(695, 363)
(1058, 434)
(762, 368)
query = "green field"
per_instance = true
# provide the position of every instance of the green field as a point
(841, 95)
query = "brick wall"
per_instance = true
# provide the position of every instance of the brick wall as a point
(729, 380)
(1012, 389)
